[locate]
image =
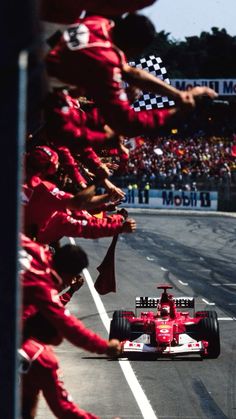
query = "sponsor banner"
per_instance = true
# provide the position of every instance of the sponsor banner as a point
(168, 199)
(225, 87)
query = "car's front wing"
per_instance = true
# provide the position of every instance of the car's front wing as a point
(187, 346)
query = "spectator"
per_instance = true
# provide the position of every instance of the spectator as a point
(146, 192)
(196, 160)
(140, 195)
(130, 193)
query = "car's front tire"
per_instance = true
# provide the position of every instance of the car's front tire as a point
(120, 329)
(122, 313)
(204, 313)
(208, 329)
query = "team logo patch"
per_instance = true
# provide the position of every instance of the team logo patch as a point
(76, 37)
(123, 97)
(67, 312)
(55, 191)
(65, 109)
(25, 260)
(117, 75)
(26, 195)
(55, 297)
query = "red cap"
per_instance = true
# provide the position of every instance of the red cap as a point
(43, 157)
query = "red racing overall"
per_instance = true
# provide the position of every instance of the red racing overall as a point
(87, 58)
(40, 298)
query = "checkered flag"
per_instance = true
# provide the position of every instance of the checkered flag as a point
(148, 101)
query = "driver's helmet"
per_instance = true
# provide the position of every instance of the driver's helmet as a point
(165, 311)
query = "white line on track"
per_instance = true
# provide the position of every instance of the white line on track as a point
(224, 285)
(164, 269)
(207, 302)
(138, 393)
(183, 283)
(227, 318)
(199, 270)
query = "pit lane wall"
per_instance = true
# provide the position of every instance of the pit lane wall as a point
(168, 199)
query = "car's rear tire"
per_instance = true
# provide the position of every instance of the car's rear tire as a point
(122, 313)
(208, 329)
(120, 329)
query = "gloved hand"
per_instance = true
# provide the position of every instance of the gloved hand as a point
(123, 212)
(77, 283)
(129, 226)
(114, 348)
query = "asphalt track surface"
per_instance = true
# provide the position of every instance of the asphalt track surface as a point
(197, 256)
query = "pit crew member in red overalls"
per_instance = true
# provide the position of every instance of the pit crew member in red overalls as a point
(89, 56)
(42, 198)
(54, 225)
(70, 166)
(46, 322)
(67, 125)
(85, 225)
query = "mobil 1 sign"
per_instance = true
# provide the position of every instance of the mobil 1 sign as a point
(224, 87)
(173, 199)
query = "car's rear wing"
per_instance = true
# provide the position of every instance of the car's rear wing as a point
(152, 302)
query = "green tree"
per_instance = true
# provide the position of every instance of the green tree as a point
(210, 55)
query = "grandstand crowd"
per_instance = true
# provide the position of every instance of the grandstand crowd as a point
(170, 162)
(82, 139)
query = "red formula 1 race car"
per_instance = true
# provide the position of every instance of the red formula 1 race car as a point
(169, 331)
